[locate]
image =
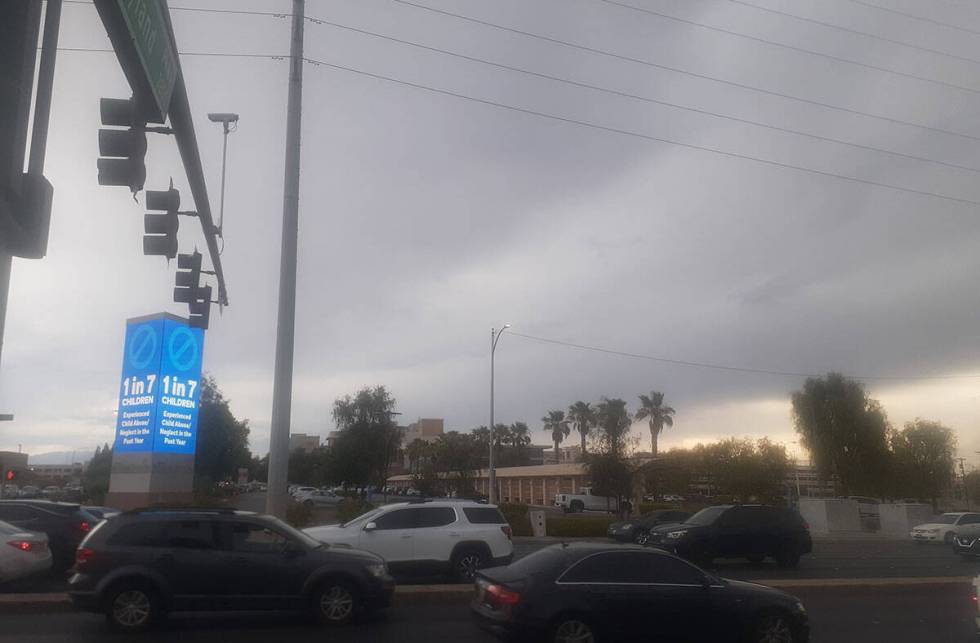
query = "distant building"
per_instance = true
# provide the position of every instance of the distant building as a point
(331, 438)
(425, 429)
(303, 441)
(534, 485)
(58, 471)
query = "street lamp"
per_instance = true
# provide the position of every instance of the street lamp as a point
(492, 471)
(224, 119)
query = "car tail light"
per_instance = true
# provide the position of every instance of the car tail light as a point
(83, 556)
(23, 545)
(973, 594)
(503, 596)
(84, 526)
(507, 531)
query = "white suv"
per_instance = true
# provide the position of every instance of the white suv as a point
(429, 537)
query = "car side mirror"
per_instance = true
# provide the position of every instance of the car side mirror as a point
(371, 526)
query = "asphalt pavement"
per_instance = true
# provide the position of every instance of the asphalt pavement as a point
(916, 614)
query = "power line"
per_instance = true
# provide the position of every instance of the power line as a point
(915, 17)
(274, 14)
(218, 54)
(787, 130)
(803, 50)
(724, 367)
(677, 70)
(648, 137)
(858, 32)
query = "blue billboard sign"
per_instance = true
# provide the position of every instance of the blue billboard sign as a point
(160, 388)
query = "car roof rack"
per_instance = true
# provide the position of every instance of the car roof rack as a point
(211, 510)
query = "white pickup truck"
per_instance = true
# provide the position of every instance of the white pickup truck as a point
(584, 501)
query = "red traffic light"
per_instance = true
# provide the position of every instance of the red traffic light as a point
(10, 475)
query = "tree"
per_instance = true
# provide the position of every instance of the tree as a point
(583, 418)
(369, 441)
(458, 456)
(657, 415)
(222, 439)
(611, 477)
(95, 480)
(613, 423)
(417, 451)
(556, 423)
(924, 452)
(845, 432)
(520, 435)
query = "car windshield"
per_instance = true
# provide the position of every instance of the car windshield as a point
(946, 519)
(706, 516)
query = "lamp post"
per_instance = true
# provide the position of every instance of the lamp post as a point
(492, 471)
(225, 119)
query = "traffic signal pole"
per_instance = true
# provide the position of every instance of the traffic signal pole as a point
(282, 388)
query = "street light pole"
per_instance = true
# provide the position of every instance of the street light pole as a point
(282, 387)
(492, 469)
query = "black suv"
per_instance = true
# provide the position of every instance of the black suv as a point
(64, 523)
(141, 565)
(738, 531)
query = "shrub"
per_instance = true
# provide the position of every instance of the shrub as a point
(298, 514)
(351, 508)
(579, 527)
(517, 516)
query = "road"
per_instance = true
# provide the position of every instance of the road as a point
(898, 615)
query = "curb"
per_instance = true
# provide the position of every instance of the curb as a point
(462, 594)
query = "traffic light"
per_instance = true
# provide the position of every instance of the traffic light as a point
(10, 475)
(188, 289)
(126, 148)
(161, 229)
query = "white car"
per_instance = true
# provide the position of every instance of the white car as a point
(943, 528)
(428, 538)
(22, 553)
(319, 498)
(299, 491)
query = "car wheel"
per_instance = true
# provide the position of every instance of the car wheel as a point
(572, 629)
(467, 563)
(774, 628)
(788, 557)
(577, 506)
(948, 538)
(642, 537)
(335, 603)
(132, 608)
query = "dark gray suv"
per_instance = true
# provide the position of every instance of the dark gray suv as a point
(141, 565)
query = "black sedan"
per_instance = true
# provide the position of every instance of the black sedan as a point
(587, 592)
(637, 530)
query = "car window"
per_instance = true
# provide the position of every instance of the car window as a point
(434, 516)
(397, 519)
(607, 567)
(139, 534)
(484, 516)
(734, 517)
(945, 519)
(707, 516)
(250, 538)
(17, 513)
(670, 571)
(969, 519)
(191, 534)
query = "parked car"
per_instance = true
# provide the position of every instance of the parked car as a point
(319, 498)
(594, 592)
(738, 531)
(141, 565)
(637, 530)
(585, 500)
(102, 513)
(299, 491)
(943, 528)
(428, 538)
(673, 497)
(22, 553)
(65, 525)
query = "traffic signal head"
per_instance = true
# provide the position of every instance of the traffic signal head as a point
(200, 309)
(161, 229)
(126, 148)
(188, 290)
(10, 475)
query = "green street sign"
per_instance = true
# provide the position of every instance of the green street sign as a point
(149, 29)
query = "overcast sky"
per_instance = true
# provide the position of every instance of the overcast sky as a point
(426, 218)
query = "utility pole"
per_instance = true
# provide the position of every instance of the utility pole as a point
(492, 467)
(282, 388)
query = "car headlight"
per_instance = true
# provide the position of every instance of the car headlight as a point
(378, 570)
(799, 608)
(676, 534)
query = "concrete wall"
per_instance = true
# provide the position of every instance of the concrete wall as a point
(899, 518)
(828, 515)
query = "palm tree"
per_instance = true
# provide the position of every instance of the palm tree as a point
(613, 421)
(556, 423)
(657, 415)
(582, 416)
(520, 434)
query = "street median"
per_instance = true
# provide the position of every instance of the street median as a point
(408, 595)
